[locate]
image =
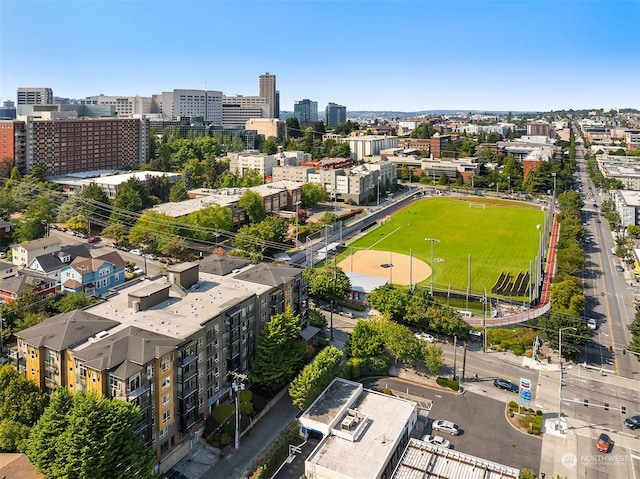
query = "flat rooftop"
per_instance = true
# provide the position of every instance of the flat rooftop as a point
(421, 460)
(179, 316)
(367, 455)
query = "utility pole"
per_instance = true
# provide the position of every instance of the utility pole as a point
(238, 386)
(455, 356)
(464, 361)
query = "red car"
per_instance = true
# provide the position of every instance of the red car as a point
(93, 239)
(603, 444)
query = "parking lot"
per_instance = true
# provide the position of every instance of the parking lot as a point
(485, 431)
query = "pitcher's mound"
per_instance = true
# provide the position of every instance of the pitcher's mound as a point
(395, 266)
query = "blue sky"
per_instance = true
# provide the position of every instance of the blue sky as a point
(367, 55)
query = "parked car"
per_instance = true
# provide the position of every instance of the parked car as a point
(603, 444)
(591, 324)
(137, 252)
(93, 239)
(619, 268)
(437, 441)
(502, 383)
(150, 256)
(632, 422)
(425, 337)
(446, 426)
(348, 314)
(138, 271)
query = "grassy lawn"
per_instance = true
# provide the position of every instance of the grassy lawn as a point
(503, 236)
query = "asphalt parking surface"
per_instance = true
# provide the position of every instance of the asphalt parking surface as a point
(486, 433)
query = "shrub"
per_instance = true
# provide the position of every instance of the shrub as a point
(448, 383)
(276, 452)
(223, 412)
(370, 366)
(513, 405)
(538, 412)
(386, 391)
(517, 349)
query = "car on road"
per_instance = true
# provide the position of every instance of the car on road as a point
(138, 271)
(93, 239)
(137, 252)
(425, 337)
(632, 422)
(446, 426)
(591, 324)
(619, 269)
(603, 443)
(348, 314)
(150, 256)
(437, 441)
(502, 383)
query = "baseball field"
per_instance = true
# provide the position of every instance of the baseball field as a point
(494, 237)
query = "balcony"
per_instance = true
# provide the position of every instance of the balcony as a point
(184, 362)
(183, 392)
(138, 392)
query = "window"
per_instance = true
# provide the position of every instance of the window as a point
(163, 432)
(166, 399)
(166, 382)
(166, 416)
(166, 363)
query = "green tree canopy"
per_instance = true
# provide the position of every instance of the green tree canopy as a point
(365, 340)
(329, 283)
(280, 352)
(178, 192)
(251, 203)
(314, 377)
(87, 435)
(312, 194)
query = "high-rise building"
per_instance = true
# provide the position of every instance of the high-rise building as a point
(539, 128)
(206, 104)
(35, 96)
(269, 93)
(125, 106)
(306, 111)
(65, 146)
(335, 114)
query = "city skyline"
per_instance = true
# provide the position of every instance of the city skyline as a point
(394, 56)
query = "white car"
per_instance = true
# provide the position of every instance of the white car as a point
(437, 441)
(425, 337)
(446, 426)
(591, 324)
(137, 252)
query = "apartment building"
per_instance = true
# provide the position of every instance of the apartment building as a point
(166, 344)
(237, 110)
(623, 168)
(306, 111)
(24, 253)
(64, 146)
(335, 114)
(240, 162)
(33, 96)
(365, 146)
(539, 128)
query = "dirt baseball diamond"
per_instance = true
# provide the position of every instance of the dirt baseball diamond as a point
(372, 261)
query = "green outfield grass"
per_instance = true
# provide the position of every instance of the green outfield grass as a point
(503, 236)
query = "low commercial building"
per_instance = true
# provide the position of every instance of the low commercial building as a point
(363, 432)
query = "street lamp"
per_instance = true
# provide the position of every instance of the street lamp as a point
(432, 240)
(297, 208)
(554, 184)
(560, 386)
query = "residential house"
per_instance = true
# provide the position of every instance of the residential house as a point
(51, 264)
(12, 286)
(24, 253)
(93, 276)
(6, 231)
(7, 270)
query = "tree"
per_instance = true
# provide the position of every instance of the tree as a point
(175, 247)
(178, 192)
(389, 300)
(329, 283)
(433, 358)
(77, 223)
(259, 239)
(312, 194)
(127, 200)
(279, 352)
(117, 232)
(87, 435)
(270, 145)
(96, 202)
(365, 340)
(312, 380)
(444, 180)
(71, 301)
(251, 203)
(317, 319)
(400, 342)
(21, 405)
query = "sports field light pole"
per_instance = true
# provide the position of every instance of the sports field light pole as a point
(432, 240)
(560, 386)
(539, 278)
